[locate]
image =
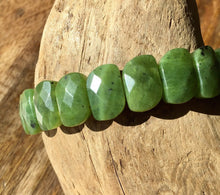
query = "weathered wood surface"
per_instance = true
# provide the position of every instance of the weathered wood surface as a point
(209, 13)
(171, 149)
(24, 166)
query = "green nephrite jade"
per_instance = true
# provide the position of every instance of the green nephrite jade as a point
(179, 77)
(46, 105)
(27, 112)
(105, 91)
(142, 83)
(207, 69)
(72, 99)
(217, 54)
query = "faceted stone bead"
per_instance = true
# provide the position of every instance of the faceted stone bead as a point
(105, 92)
(217, 54)
(142, 83)
(72, 99)
(178, 76)
(27, 112)
(208, 72)
(46, 105)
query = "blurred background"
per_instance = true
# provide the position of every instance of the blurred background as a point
(24, 165)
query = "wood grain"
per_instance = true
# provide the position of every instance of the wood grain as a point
(165, 150)
(24, 165)
(209, 12)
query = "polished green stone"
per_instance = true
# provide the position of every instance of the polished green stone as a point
(217, 54)
(46, 105)
(208, 72)
(142, 83)
(27, 112)
(105, 92)
(178, 76)
(72, 99)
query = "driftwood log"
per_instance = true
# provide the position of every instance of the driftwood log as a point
(172, 149)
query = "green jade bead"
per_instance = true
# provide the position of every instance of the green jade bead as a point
(105, 92)
(208, 72)
(142, 83)
(217, 54)
(27, 113)
(72, 99)
(178, 76)
(46, 106)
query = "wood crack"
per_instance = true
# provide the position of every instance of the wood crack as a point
(93, 165)
(115, 170)
(80, 63)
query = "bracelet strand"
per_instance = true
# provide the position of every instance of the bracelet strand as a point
(177, 78)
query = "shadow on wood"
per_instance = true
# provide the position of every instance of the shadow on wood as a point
(162, 111)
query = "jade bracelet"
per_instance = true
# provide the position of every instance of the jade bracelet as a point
(179, 77)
